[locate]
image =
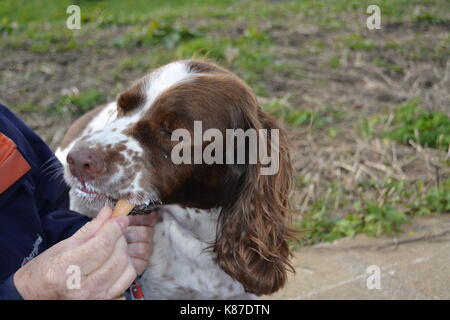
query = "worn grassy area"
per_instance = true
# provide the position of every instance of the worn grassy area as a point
(367, 110)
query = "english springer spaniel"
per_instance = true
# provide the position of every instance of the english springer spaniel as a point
(223, 226)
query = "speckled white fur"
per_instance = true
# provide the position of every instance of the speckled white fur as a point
(183, 265)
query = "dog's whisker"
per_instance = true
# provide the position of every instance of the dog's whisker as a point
(52, 171)
(58, 174)
(52, 158)
(50, 167)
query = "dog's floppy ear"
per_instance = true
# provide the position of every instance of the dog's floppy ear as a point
(253, 228)
(130, 99)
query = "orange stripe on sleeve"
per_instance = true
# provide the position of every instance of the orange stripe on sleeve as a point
(12, 164)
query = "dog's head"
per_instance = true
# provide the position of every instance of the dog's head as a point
(151, 151)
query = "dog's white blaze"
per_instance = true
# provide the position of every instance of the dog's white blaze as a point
(162, 79)
(112, 134)
(107, 115)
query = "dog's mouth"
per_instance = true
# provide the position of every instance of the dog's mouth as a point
(143, 204)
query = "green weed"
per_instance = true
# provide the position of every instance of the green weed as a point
(428, 18)
(389, 66)
(157, 33)
(335, 62)
(357, 42)
(412, 122)
(318, 118)
(78, 104)
(368, 127)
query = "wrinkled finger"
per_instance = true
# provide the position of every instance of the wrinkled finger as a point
(123, 283)
(144, 220)
(139, 265)
(95, 252)
(104, 277)
(139, 234)
(92, 227)
(140, 254)
(141, 250)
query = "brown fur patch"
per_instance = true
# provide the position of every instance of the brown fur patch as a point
(130, 99)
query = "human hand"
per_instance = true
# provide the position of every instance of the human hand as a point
(100, 251)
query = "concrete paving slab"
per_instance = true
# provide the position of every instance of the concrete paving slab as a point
(413, 265)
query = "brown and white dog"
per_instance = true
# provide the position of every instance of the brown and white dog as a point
(223, 227)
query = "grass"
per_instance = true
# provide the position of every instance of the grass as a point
(335, 62)
(389, 66)
(398, 204)
(357, 42)
(250, 53)
(78, 104)
(432, 18)
(132, 12)
(110, 12)
(319, 118)
(368, 128)
(412, 122)
(411, 50)
(157, 33)
(382, 207)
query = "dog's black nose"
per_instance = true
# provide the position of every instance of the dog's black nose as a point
(85, 164)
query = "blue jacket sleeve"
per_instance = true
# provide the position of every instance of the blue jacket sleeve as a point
(8, 290)
(50, 191)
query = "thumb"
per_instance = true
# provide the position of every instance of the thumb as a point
(91, 228)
